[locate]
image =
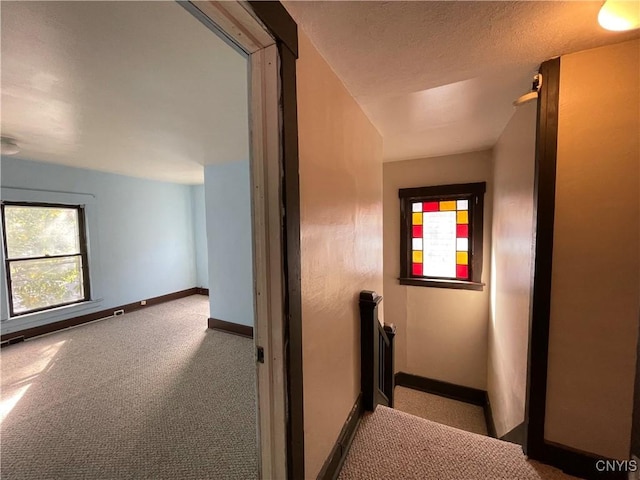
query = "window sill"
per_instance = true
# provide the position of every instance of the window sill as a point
(57, 312)
(455, 284)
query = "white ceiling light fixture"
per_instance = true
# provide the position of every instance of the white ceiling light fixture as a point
(9, 146)
(533, 94)
(620, 15)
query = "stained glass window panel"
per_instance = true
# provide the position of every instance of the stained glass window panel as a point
(417, 218)
(417, 269)
(416, 243)
(417, 231)
(463, 216)
(463, 204)
(417, 207)
(462, 231)
(462, 258)
(462, 244)
(439, 244)
(448, 205)
(462, 272)
(417, 256)
(430, 206)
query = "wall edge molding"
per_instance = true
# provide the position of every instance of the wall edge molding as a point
(578, 463)
(516, 435)
(230, 327)
(488, 417)
(333, 464)
(471, 395)
(14, 337)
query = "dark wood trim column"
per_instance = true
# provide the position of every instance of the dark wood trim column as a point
(293, 328)
(285, 31)
(544, 205)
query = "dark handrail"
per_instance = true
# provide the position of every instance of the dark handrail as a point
(383, 333)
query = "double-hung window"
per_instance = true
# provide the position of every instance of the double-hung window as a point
(441, 236)
(45, 251)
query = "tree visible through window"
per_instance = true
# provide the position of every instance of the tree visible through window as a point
(441, 236)
(45, 256)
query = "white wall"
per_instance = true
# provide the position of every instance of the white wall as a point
(230, 250)
(511, 269)
(140, 233)
(442, 333)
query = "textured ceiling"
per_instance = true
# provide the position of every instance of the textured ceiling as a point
(136, 88)
(438, 78)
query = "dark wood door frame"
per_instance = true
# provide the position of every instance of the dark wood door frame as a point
(285, 31)
(544, 209)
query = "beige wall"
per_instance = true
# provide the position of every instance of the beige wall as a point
(442, 333)
(596, 265)
(511, 281)
(341, 234)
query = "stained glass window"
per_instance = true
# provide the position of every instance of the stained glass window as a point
(442, 234)
(439, 247)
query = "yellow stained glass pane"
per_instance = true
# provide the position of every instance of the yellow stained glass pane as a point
(417, 256)
(462, 258)
(417, 219)
(447, 206)
(462, 216)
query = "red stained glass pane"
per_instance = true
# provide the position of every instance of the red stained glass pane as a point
(462, 231)
(417, 269)
(417, 231)
(462, 271)
(431, 206)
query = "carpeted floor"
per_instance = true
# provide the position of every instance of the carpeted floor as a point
(151, 394)
(464, 416)
(461, 415)
(391, 445)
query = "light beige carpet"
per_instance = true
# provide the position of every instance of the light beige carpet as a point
(442, 410)
(391, 445)
(151, 394)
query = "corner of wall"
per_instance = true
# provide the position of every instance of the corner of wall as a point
(511, 268)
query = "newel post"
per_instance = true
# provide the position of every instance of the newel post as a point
(369, 347)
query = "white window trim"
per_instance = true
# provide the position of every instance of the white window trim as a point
(29, 320)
